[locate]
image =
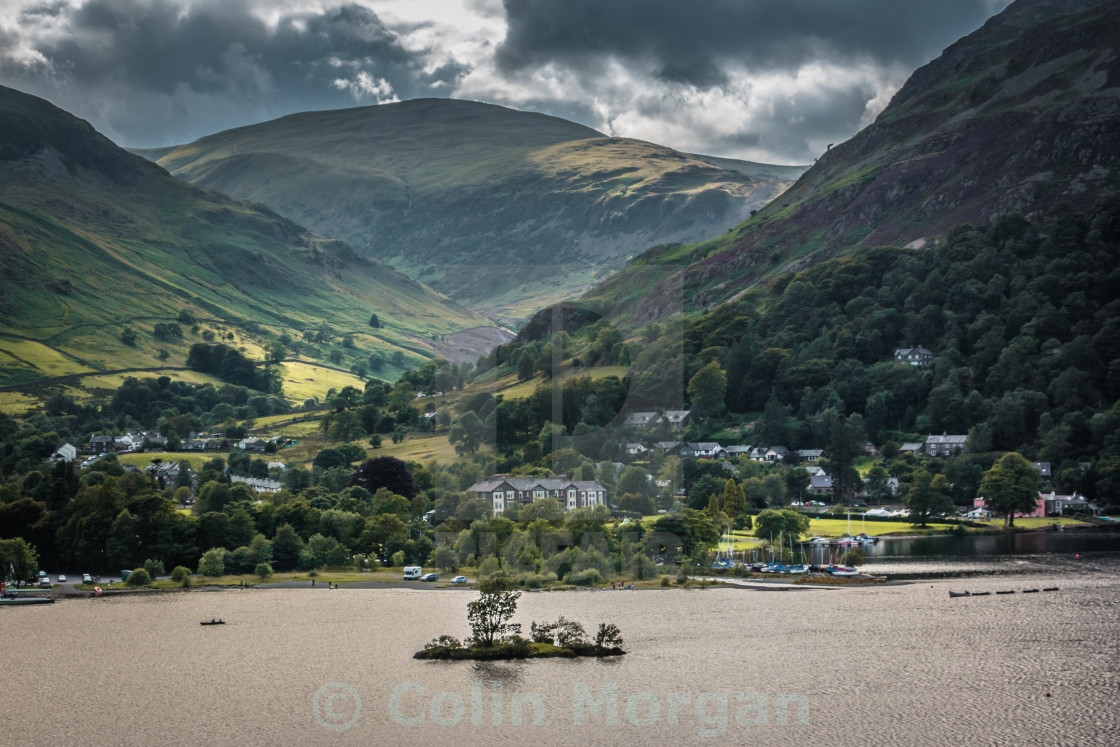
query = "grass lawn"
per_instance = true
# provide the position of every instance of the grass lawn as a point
(195, 458)
(839, 527)
(303, 380)
(1033, 523)
(423, 448)
(17, 403)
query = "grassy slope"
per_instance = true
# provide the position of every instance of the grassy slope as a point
(94, 242)
(508, 210)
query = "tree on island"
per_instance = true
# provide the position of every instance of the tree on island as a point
(489, 615)
(1010, 487)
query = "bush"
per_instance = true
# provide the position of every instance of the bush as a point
(665, 581)
(154, 568)
(396, 560)
(588, 577)
(449, 642)
(543, 633)
(212, 562)
(139, 577)
(569, 633)
(609, 636)
(180, 572)
(263, 571)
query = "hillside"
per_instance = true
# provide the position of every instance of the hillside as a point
(96, 240)
(1018, 116)
(505, 211)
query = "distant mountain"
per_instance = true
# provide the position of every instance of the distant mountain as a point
(1018, 116)
(505, 211)
(94, 239)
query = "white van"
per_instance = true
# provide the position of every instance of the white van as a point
(412, 572)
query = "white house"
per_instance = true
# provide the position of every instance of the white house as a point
(65, 453)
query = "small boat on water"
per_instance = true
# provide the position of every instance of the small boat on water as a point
(213, 622)
(1030, 591)
(982, 594)
(1050, 588)
(954, 594)
(1006, 592)
(819, 541)
(842, 570)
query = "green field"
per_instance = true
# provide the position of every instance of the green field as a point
(119, 245)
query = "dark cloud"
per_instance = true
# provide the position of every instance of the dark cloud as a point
(761, 79)
(151, 72)
(693, 42)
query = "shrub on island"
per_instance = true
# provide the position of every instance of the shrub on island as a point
(494, 637)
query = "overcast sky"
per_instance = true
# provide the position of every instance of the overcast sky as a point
(765, 80)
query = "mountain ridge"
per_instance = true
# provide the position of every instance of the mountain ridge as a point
(501, 209)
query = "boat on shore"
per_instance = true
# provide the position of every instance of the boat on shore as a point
(17, 601)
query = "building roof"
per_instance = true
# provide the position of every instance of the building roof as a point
(527, 484)
(946, 438)
(704, 446)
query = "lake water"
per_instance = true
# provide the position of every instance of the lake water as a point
(899, 664)
(1026, 552)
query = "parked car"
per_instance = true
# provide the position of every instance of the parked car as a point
(87, 579)
(62, 579)
(430, 577)
(42, 574)
(44, 583)
(459, 580)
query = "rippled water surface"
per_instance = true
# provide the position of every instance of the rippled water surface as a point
(900, 664)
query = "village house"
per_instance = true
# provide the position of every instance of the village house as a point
(911, 448)
(677, 419)
(918, 356)
(501, 491)
(736, 451)
(703, 450)
(252, 444)
(65, 453)
(641, 419)
(634, 449)
(758, 454)
(809, 456)
(776, 454)
(945, 445)
(666, 447)
(101, 444)
(259, 485)
(820, 484)
(1048, 504)
(1043, 469)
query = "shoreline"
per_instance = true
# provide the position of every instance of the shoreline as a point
(696, 583)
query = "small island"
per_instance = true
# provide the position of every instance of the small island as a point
(493, 637)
